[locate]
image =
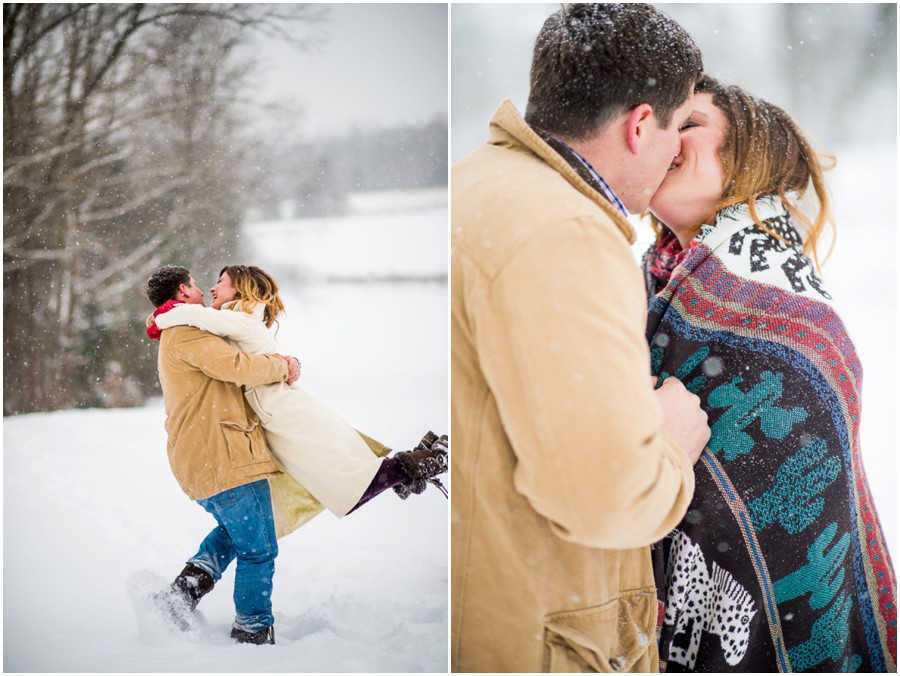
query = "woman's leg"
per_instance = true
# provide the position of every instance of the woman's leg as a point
(409, 471)
(390, 474)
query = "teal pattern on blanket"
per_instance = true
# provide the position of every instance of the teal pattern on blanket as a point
(759, 402)
(793, 501)
(781, 501)
(855, 662)
(822, 576)
(829, 634)
(699, 358)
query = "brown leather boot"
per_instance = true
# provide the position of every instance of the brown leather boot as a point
(193, 583)
(422, 465)
(179, 600)
(262, 637)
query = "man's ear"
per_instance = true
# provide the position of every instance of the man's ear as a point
(638, 126)
(182, 290)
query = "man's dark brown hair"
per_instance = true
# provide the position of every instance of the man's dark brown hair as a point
(163, 284)
(593, 62)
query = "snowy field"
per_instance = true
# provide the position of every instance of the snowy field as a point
(89, 498)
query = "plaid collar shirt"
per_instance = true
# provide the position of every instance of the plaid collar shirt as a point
(569, 153)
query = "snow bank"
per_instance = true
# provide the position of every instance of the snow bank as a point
(394, 201)
(380, 245)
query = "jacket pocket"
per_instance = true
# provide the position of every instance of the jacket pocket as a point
(244, 444)
(616, 636)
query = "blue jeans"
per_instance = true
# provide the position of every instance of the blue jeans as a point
(246, 531)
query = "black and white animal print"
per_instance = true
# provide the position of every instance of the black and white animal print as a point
(700, 600)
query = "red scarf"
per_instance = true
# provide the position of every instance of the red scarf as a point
(152, 330)
(665, 256)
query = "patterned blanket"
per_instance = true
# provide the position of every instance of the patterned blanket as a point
(780, 563)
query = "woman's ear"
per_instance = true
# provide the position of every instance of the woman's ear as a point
(637, 126)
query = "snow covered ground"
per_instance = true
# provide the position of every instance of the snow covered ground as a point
(89, 498)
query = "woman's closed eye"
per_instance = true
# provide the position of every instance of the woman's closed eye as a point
(688, 125)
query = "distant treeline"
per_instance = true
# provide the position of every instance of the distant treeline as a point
(314, 176)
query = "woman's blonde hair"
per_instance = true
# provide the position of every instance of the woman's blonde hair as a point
(254, 286)
(765, 153)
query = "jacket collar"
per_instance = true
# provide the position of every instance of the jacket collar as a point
(508, 128)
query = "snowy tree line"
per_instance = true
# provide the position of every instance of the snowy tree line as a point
(122, 150)
(314, 176)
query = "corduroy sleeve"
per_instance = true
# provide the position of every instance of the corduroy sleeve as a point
(560, 335)
(220, 361)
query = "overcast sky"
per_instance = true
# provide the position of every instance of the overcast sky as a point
(384, 65)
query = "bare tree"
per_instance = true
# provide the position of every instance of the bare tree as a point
(122, 139)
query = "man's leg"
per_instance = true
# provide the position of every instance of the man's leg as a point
(246, 528)
(216, 551)
(200, 574)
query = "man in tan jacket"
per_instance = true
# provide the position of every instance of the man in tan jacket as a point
(218, 453)
(566, 463)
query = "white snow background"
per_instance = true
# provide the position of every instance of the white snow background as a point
(89, 498)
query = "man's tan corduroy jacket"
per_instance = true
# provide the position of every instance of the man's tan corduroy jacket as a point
(561, 476)
(215, 441)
